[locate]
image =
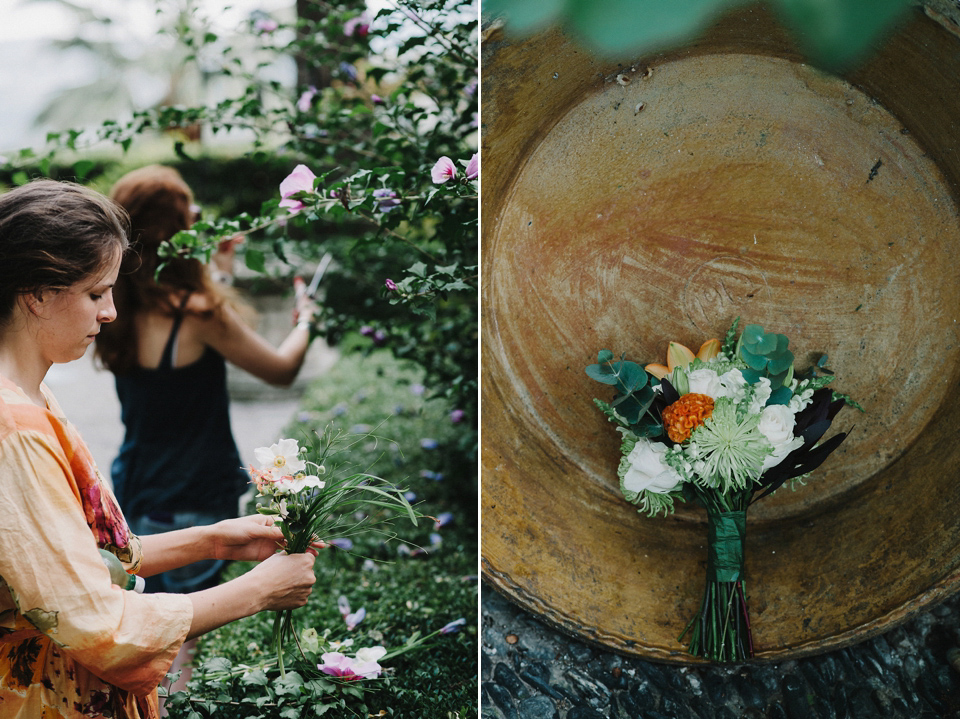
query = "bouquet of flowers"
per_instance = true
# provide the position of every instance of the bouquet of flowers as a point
(312, 512)
(722, 428)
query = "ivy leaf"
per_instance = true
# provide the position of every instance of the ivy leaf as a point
(257, 677)
(255, 260)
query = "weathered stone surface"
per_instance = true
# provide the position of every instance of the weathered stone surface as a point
(507, 678)
(538, 707)
(896, 676)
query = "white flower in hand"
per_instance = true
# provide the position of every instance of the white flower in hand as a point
(282, 458)
(297, 483)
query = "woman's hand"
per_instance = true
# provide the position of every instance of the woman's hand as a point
(226, 252)
(281, 581)
(285, 579)
(305, 307)
(252, 538)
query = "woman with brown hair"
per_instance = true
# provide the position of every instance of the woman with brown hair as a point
(72, 644)
(178, 465)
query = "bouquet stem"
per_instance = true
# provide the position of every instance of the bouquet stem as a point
(282, 628)
(720, 631)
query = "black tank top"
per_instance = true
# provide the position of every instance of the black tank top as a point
(178, 454)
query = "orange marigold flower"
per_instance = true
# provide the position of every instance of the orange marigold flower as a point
(686, 414)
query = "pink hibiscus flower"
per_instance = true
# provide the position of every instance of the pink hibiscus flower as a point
(443, 170)
(300, 180)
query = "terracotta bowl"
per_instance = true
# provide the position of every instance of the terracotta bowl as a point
(628, 205)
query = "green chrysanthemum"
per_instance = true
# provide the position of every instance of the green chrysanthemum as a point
(728, 453)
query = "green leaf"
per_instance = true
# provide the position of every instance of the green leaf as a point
(780, 395)
(255, 260)
(614, 27)
(751, 334)
(780, 363)
(257, 677)
(604, 356)
(766, 344)
(837, 34)
(601, 373)
(753, 361)
(632, 377)
(524, 16)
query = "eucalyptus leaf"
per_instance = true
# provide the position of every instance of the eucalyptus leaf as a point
(837, 34)
(615, 27)
(601, 373)
(525, 16)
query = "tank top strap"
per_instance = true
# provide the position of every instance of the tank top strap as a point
(166, 359)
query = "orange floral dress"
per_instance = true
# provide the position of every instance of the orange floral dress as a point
(72, 644)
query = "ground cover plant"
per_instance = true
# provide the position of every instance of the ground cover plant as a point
(407, 588)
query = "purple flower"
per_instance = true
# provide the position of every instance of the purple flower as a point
(471, 89)
(343, 605)
(386, 200)
(377, 100)
(443, 170)
(410, 496)
(443, 519)
(355, 618)
(306, 99)
(379, 337)
(428, 443)
(473, 167)
(348, 71)
(457, 415)
(265, 25)
(454, 626)
(300, 180)
(366, 331)
(427, 474)
(391, 285)
(358, 26)
(418, 389)
(435, 539)
(342, 543)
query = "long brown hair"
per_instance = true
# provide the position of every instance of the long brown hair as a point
(53, 235)
(160, 204)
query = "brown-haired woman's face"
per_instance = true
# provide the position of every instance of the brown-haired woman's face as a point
(70, 319)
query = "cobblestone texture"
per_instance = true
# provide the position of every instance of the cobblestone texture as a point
(529, 671)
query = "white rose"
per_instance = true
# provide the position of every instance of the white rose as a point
(776, 424)
(646, 470)
(734, 384)
(705, 381)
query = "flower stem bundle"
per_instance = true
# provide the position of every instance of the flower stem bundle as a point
(312, 512)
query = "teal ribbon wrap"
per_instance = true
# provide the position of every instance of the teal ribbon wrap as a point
(726, 532)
